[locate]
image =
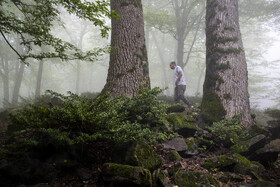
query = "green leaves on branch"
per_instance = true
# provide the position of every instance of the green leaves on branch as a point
(33, 20)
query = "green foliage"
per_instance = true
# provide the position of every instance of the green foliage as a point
(228, 130)
(80, 119)
(33, 20)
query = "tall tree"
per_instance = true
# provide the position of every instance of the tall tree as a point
(128, 65)
(225, 90)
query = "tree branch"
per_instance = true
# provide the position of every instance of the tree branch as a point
(11, 46)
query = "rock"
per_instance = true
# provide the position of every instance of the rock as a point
(125, 175)
(192, 144)
(141, 154)
(182, 124)
(274, 128)
(175, 108)
(178, 144)
(237, 163)
(267, 154)
(28, 171)
(248, 147)
(160, 179)
(194, 179)
(173, 156)
(84, 174)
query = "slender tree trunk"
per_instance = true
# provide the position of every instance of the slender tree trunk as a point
(199, 82)
(39, 79)
(160, 53)
(128, 66)
(5, 77)
(225, 90)
(78, 77)
(17, 85)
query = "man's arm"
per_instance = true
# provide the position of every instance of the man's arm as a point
(178, 78)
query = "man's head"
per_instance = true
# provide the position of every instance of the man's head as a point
(172, 65)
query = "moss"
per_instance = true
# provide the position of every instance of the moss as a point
(193, 179)
(227, 96)
(173, 156)
(119, 75)
(141, 154)
(224, 40)
(136, 3)
(175, 108)
(223, 66)
(120, 173)
(212, 108)
(179, 120)
(222, 162)
(229, 50)
(237, 163)
(192, 144)
(229, 28)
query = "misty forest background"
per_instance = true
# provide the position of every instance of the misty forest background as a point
(259, 22)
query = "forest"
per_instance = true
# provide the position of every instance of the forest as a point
(88, 96)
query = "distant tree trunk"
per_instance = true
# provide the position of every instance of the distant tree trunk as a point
(128, 66)
(199, 82)
(163, 66)
(18, 80)
(78, 77)
(39, 79)
(5, 77)
(225, 90)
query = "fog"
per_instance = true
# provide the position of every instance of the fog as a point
(260, 39)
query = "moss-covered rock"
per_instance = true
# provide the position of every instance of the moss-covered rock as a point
(125, 175)
(237, 163)
(183, 124)
(194, 179)
(192, 144)
(160, 178)
(267, 154)
(175, 108)
(173, 156)
(247, 147)
(221, 163)
(141, 154)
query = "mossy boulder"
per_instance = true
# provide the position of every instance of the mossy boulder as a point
(160, 178)
(182, 124)
(173, 156)
(247, 147)
(175, 108)
(125, 175)
(236, 163)
(267, 154)
(195, 179)
(142, 154)
(221, 163)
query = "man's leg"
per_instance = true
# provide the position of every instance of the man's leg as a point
(176, 96)
(181, 91)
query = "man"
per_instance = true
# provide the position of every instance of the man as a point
(180, 84)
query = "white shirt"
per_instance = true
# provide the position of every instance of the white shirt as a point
(177, 70)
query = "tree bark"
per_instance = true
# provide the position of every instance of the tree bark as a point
(39, 79)
(128, 66)
(225, 90)
(5, 77)
(17, 84)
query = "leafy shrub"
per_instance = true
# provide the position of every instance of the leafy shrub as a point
(80, 119)
(228, 130)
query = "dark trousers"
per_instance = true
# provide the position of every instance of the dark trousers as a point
(179, 95)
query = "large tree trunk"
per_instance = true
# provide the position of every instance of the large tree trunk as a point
(225, 90)
(128, 66)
